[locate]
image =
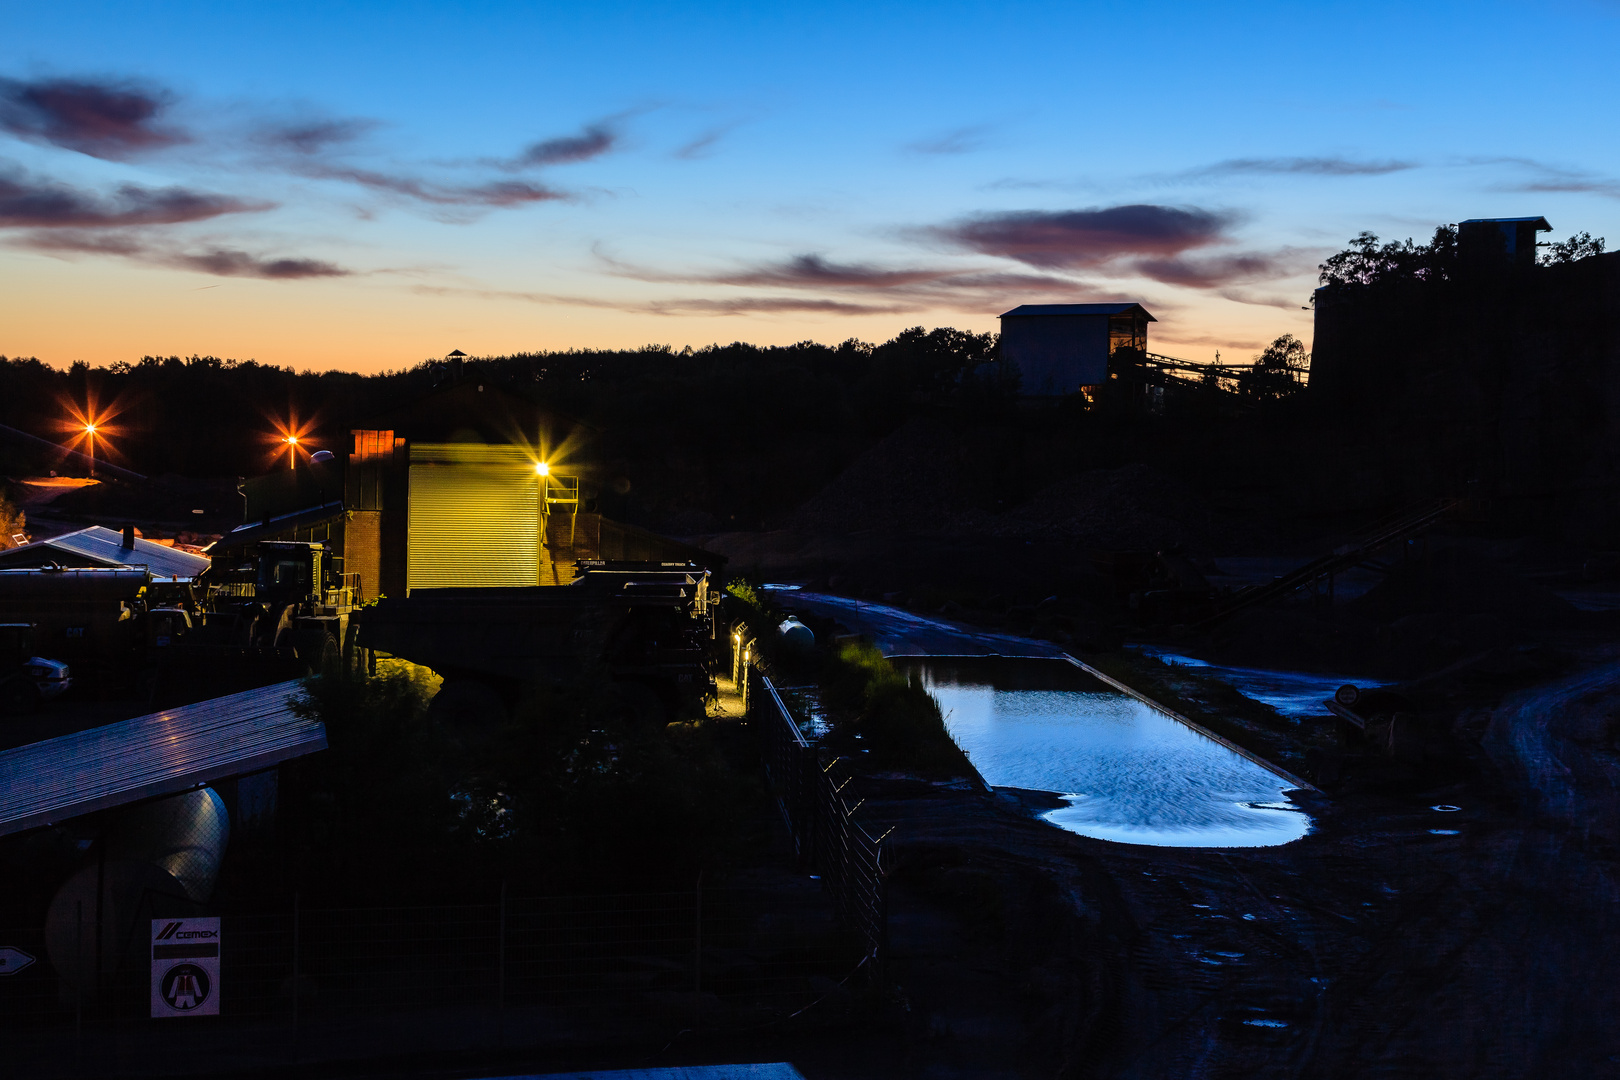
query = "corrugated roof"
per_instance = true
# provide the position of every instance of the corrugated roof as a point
(106, 546)
(159, 754)
(1076, 309)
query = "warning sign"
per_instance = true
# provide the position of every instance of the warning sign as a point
(185, 967)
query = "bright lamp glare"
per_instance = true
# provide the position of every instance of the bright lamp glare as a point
(89, 429)
(543, 469)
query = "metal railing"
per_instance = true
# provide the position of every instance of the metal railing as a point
(809, 793)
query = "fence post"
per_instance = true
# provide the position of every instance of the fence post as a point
(295, 977)
(697, 954)
(500, 974)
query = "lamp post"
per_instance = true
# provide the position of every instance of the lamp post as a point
(292, 452)
(90, 436)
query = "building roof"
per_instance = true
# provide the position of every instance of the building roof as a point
(161, 753)
(250, 531)
(105, 547)
(1540, 222)
(1076, 309)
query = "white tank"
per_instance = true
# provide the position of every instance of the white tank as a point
(796, 635)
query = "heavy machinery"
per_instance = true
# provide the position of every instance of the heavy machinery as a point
(283, 614)
(292, 601)
(645, 625)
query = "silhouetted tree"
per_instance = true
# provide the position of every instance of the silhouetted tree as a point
(1278, 372)
(1577, 247)
(1365, 262)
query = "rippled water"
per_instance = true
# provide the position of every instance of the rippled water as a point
(1127, 772)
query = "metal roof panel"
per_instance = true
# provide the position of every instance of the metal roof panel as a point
(162, 753)
(106, 546)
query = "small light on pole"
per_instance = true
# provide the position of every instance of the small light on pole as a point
(90, 435)
(292, 452)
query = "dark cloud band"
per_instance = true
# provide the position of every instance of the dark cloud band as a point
(1076, 239)
(102, 119)
(29, 204)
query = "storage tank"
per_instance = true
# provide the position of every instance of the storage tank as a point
(157, 860)
(796, 635)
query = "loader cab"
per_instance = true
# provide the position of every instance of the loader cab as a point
(290, 572)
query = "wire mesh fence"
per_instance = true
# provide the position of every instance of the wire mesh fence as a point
(312, 984)
(809, 793)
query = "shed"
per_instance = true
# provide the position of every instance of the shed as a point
(101, 546)
(1061, 347)
(1479, 239)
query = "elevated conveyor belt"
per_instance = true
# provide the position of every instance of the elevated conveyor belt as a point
(1343, 557)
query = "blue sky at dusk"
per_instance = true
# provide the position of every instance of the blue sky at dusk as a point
(365, 185)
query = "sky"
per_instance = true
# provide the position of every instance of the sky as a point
(367, 185)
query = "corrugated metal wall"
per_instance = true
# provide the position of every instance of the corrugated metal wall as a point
(473, 525)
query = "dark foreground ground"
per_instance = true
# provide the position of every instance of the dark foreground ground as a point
(1396, 939)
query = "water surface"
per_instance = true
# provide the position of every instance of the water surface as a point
(1126, 772)
(1295, 694)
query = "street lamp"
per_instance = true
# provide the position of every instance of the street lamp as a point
(292, 452)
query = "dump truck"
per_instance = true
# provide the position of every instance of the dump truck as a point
(647, 626)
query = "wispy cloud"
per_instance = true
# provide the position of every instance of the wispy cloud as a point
(104, 119)
(592, 142)
(487, 194)
(702, 305)
(962, 140)
(908, 288)
(1296, 166)
(145, 247)
(27, 203)
(314, 136)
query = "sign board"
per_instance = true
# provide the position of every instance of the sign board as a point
(13, 960)
(185, 967)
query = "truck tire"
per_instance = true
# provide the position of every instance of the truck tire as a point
(18, 696)
(317, 651)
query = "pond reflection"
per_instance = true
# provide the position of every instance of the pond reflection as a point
(1126, 772)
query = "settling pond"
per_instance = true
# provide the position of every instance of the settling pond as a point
(1125, 771)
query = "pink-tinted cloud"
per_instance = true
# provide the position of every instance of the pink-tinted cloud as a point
(142, 246)
(39, 204)
(102, 119)
(1082, 239)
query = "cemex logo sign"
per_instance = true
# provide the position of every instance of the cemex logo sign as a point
(185, 967)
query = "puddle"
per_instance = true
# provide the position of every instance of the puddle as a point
(1128, 773)
(1295, 694)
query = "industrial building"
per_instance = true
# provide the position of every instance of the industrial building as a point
(1060, 349)
(471, 486)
